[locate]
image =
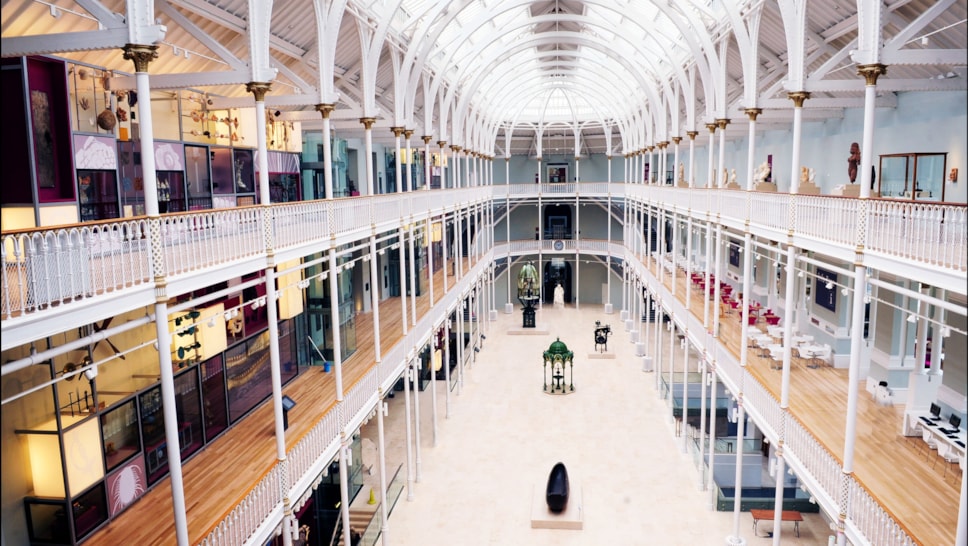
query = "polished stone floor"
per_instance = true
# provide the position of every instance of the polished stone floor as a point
(504, 434)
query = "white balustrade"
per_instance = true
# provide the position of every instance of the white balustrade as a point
(871, 520)
(770, 210)
(928, 233)
(300, 223)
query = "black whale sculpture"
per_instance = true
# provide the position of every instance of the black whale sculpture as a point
(556, 494)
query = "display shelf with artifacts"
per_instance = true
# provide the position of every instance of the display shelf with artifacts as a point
(119, 432)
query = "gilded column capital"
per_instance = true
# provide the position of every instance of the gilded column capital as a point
(140, 55)
(442, 144)
(507, 159)
(753, 112)
(676, 139)
(871, 72)
(407, 133)
(798, 97)
(427, 138)
(722, 123)
(325, 109)
(456, 148)
(367, 122)
(711, 127)
(577, 158)
(692, 134)
(397, 131)
(258, 90)
(662, 145)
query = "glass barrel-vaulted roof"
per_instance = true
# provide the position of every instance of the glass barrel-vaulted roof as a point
(525, 62)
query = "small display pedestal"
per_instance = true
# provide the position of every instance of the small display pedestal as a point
(572, 517)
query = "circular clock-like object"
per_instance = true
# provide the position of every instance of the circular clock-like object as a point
(559, 245)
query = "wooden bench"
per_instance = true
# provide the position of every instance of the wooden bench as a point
(786, 515)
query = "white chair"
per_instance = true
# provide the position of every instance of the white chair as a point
(949, 454)
(826, 354)
(929, 439)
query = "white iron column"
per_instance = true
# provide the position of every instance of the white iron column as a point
(444, 167)
(456, 171)
(711, 176)
(706, 274)
(407, 134)
(798, 98)
(326, 110)
(752, 113)
(675, 159)
(446, 364)
(685, 390)
(716, 280)
(397, 175)
(381, 410)
(344, 476)
(413, 273)
(870, 73)
(722, 123)
(259, 90)
(417, 365)
(368, 159)
(407, 381)
(692, 157)
(141, 56)
(401, 245)
(713, 394)
(427, 163)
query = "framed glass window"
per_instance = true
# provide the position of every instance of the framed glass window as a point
(213, 397)
(199, 181)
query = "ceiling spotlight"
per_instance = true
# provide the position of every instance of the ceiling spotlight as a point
(945, 331)
(924, 40)
(912, 318)
(844, 291)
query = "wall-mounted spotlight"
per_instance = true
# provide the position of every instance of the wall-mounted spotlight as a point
(800, 274)
(844, 291)
(829, 285)
(912, 318)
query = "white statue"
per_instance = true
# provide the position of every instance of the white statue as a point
(812, 177)
(762, 173)
(804, 175)
(682, 174)
(559, 296)
(732, 177)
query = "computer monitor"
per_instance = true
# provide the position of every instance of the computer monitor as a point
(954, 421)
(935, 410)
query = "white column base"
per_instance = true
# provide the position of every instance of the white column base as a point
(735, 541)
(492, 315)
(647, 364)
(634, 334)
(624, 315)
(629, 325)
(608, 309)
(508, 308)
(640, 349)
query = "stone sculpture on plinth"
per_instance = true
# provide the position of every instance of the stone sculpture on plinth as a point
(528, 292)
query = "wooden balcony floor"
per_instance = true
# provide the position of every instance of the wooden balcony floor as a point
(218, 477)
(908, 484)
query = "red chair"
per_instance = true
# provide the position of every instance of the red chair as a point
(772, 320)
(752, 320)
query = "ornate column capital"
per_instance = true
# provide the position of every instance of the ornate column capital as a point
(650, 148)
(325, 109)
(577, 158)
(753, 112)
(427, 139)
(442, 144)
(456, 148)
(662, 145)
(367, 122)
(507, 159)
(871, 72)
(692, 134)
(798, 97)
(722, 123)
(397, 131)
(140, 55)
(676, 139)
(258, 90)
(711, 127)
(407, 133)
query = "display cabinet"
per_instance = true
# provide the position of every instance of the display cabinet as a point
(97, 193)
(913, 176)
(198, 178)
(119, 432)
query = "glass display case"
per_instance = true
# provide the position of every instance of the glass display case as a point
(119, 432)
(199, 181)
(97, 193)
(214, 408)
(915, 176)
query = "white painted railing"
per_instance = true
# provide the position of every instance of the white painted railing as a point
(52, 267)
(769, 212)
(831, 219)
(928, 233)
(300, 223)
(235, 529)
(870, 519)
(200, 240)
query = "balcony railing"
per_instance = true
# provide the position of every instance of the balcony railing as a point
(46, 268)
